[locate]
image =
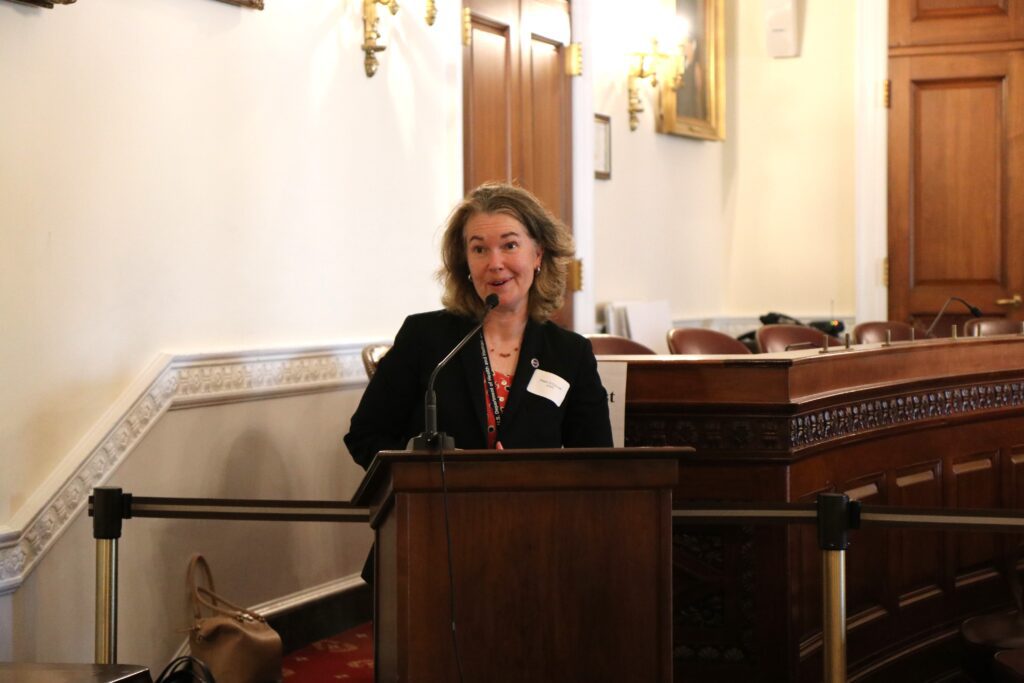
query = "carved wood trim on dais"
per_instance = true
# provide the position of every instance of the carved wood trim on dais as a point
(786, 432)
(709, 432)
(852, 418)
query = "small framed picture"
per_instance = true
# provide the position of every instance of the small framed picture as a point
(602, 147)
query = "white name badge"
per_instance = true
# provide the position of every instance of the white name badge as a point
(548, 385)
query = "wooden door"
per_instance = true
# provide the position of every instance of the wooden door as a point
(517, 104)
(956, 183)
(935, 22)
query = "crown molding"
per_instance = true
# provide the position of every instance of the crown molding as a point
(170, 382)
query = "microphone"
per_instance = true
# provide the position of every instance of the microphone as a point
(431, 439)
(975, 311)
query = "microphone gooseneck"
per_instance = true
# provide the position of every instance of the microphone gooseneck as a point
(975, 311)
(431, 439)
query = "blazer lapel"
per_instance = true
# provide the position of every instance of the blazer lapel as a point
(473, 371)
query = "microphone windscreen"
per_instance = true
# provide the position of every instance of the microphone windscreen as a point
(491, 301)
(975, 311)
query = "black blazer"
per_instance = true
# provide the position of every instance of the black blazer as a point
(391, 409)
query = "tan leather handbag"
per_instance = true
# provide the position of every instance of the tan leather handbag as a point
(236, 644)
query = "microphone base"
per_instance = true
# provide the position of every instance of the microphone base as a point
(438, 441)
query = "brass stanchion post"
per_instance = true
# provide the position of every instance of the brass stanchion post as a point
(836, 516)
(108, 507)
(833, 580)
(105, 651)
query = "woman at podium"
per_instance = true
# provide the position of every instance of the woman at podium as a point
(521, 381)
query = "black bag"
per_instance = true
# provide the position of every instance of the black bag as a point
(185, 670)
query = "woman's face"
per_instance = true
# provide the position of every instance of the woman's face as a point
(502, 259)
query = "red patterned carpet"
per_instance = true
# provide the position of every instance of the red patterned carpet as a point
(344, 657)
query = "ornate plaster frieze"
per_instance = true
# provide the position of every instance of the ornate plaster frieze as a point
(182, 381)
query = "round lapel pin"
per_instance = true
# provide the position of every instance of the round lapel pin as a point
(535, 363)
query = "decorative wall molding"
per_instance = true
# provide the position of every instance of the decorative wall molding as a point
(170, 383)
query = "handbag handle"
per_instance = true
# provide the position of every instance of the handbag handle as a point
(206, 597)
(185, 668)
(197, 563)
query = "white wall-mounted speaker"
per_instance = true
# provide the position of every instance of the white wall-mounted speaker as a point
(782, 27)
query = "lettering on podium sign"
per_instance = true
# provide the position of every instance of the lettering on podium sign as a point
(613, 377)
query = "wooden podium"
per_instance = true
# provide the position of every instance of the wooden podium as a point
(561, 564)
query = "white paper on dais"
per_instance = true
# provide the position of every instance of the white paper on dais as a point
(613, 377)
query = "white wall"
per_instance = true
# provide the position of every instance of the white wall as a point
(187, 175)
(791, 158)
(659, 220)
(761, 221)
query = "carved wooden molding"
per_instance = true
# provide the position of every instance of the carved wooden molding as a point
(177, 382)
(859, 416)
(781, 434)
(709, 432)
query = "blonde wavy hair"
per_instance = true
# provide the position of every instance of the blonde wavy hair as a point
(548, 289)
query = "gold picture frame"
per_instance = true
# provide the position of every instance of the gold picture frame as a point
(697, 108)
(602, 147)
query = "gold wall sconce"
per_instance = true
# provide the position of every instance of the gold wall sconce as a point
(371, 34)
(657, 67)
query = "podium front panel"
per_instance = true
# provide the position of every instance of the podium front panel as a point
(561, 569)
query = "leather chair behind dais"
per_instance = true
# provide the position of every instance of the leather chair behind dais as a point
(698, 340)
(775, 338)
(614, 345)
(988, 327)
(371, 357)
(873, 332)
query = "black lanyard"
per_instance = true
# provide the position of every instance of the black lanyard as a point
(492, 390)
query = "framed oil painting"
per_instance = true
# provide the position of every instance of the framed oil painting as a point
(697, 108)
